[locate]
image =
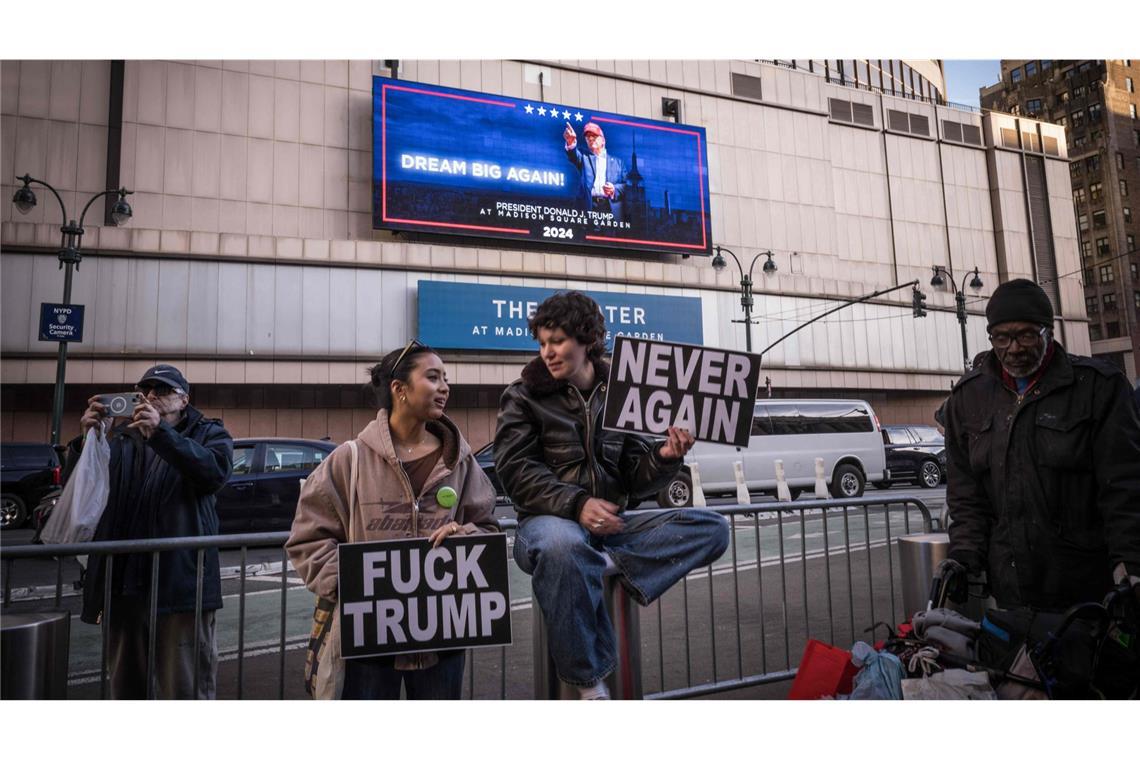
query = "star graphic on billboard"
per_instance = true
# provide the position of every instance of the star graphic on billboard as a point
(529, 108)
(541, 111)
(565, 114)
(554, 113)
(577, 117)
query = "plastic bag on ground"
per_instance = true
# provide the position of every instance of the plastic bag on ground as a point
(880, 676)
(949, 684)
(84, 497)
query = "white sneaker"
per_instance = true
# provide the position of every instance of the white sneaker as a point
(597, 691)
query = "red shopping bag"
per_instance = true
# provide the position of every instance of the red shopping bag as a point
(824, 671)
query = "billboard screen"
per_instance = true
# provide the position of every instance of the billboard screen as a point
(467, 163)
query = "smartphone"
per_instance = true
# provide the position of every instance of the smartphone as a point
(120, 404)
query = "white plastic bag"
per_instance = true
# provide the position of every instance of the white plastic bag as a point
(84, 497)
(955, 683)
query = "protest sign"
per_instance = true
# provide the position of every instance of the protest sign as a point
(399, 597)
(653, 385)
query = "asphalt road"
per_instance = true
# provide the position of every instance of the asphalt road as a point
(752, 615)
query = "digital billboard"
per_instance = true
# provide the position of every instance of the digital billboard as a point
(466, 163)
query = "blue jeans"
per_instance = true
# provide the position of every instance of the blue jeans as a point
(377, 678)
(566, 564)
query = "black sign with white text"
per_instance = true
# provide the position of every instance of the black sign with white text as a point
(708, 391)
(398, 597)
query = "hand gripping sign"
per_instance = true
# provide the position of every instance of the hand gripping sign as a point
(399, 597)
(653, 385)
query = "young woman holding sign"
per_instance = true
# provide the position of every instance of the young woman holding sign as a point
(571, 481)
(415, 475)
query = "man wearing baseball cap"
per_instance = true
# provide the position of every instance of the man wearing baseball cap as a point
(1043, 460)
(601, 176)
(167, 462)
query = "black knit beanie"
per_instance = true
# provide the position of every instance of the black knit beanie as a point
(1019, 301)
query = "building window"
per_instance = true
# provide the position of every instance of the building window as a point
(1136, 137)
(1096, 191)
(1015, 75)
(1094, 113)
(1063, 121)
(1132, 110)
(1130, 243)
(1109, 301)
(1031, 69)
(1092, 163)
(1083, 222)
(1084, 67)
(1033, 106)
(1102, 247)
(1107, 273)
(1123, 188)
(1080, 142)
(1079, 196)
(1119, 160)
(1128, 84)
(1113, 329)
(1086, 248)
(1077, 118)
(1134, 268)
(1094, 332)
(1127, 215)
(1136, 298)
(1046, 65)
(1091, 305)
(1065, 96)
(1098, 220)
(1076, 169)
(1079, 93)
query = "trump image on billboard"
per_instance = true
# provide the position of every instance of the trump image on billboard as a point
(449, 161)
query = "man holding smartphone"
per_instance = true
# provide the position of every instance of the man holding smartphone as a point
(167, 463)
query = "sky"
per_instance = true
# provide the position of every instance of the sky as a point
(965, 77)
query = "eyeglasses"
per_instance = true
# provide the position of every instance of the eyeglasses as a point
(407, 348)
(159, 390)
(1026, 338)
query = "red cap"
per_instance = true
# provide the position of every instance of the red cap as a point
(591, 127)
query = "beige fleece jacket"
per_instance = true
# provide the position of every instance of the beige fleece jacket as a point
(385, 506)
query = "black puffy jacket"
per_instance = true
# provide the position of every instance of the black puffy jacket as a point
(551, 453)
(168, 494)
(1044, 489)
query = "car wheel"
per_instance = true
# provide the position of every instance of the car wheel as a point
(847, 483)
(679, 492)
(930, 474)
(13, 513)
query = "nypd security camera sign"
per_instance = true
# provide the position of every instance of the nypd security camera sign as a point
(708, 391)
(61, 323)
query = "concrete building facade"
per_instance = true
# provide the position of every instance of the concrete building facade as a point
(251, 261)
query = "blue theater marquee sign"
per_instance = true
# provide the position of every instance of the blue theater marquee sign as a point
(467, 163)
(494, 317)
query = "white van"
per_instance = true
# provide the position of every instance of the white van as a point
(845, 433)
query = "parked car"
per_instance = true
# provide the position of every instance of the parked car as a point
(262, 491)
(915, 454)
(844, 433)
(486, 459)
(30, 471)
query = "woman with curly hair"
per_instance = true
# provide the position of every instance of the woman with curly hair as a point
(571, 482)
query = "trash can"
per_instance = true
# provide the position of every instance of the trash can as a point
(33, 654)
(919, 555)
(625, 681)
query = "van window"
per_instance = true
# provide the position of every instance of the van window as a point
(808, 419)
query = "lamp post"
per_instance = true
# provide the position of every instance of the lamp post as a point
(938, 281)
(69, 256)
(746, 299)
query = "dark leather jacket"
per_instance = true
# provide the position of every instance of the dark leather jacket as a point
(551, 454)
(1044, 489)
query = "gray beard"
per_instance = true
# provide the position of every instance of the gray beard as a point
(1037, 366)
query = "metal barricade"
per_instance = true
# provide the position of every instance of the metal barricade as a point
(826, 569)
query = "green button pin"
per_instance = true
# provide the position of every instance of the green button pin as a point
(446, 497)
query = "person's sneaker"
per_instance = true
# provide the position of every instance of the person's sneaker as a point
(597, 691)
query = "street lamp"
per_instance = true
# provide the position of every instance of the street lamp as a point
(746, 301)
(69, 256)
(938, 281)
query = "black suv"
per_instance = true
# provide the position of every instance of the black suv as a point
(262, 492)
(915, 453)
(30, 471)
